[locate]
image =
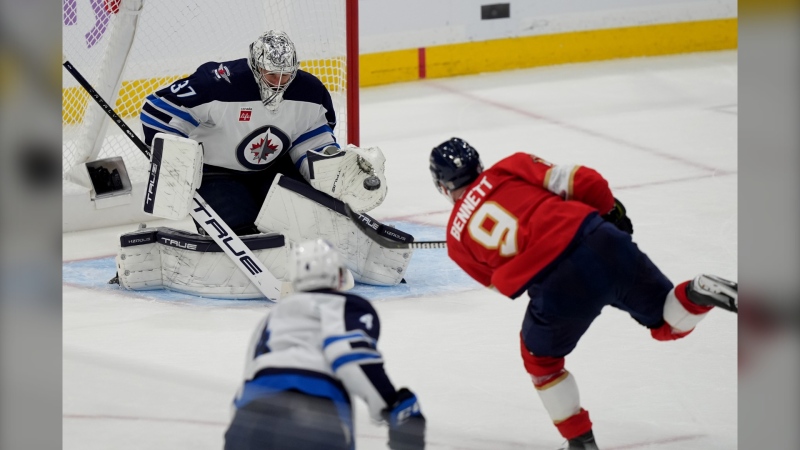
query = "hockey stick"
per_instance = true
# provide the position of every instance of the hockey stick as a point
(377, 232)
(227, 240)
(107, 109)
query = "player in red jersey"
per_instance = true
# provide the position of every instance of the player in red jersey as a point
(557, 233)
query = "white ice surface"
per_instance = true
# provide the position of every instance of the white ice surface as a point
(143, 374)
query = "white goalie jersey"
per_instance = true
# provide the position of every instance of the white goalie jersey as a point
(322, 343)
(220, 106)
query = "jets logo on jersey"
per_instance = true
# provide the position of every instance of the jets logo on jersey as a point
(222, 73)
(245, 114)
(260, 148)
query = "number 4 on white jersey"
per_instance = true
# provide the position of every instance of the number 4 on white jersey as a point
(366, 319)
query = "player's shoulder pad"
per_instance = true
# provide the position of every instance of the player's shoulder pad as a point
(226, 81)
(539, 160)
(520, 164)
(360, 314)
(307, 88)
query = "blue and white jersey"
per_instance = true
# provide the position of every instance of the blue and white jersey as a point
(318, 343)
(220, 106)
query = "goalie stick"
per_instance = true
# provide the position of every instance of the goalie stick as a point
(227, 240)
(376, 231)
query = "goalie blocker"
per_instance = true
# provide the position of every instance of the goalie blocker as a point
(176, 171)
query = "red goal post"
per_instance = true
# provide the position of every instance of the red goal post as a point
(128, 49)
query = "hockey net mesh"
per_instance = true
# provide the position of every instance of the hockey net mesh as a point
(172, 38)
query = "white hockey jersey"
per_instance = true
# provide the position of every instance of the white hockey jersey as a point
(323, 343)
(220, 106)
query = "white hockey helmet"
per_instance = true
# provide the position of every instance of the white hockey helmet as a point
(316, 265)
(273, 53)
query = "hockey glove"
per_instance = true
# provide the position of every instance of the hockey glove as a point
(619, 217)
(406, 422)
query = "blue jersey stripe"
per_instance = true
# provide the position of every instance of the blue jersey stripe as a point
(359, 335)
(159, 103)
(154, 123)
(270, 384)
(315, 132)
(345, 359)
(300, 161)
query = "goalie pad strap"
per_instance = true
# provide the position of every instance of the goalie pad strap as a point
(195, 242)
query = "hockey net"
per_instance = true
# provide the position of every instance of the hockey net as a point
(127, 49)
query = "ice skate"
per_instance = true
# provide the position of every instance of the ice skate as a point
(582, 442)
(710, 290)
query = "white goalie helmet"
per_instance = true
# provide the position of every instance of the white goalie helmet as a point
(316, 265)
(273, 57)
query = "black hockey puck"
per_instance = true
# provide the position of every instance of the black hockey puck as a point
(372, 183)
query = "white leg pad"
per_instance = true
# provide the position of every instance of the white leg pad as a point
(139, 267)
(560, 397)
(165, 258)
(299, 213)
(677, 316)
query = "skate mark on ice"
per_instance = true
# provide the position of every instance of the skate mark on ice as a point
(657, 442)
(144, 419)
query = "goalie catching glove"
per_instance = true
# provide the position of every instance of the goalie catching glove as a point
(353, 175)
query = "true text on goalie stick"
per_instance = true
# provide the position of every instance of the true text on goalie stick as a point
(219, 231)
(376, 231)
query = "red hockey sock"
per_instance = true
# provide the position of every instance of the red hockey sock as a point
(575, 425)
(692, 308)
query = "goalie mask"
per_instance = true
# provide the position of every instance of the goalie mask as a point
(454, 164)
(273, 60)
(315, 265)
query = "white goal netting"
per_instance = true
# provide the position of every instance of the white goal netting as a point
(128, 49)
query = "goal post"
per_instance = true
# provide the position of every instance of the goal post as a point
(128, 49)
(351, 14)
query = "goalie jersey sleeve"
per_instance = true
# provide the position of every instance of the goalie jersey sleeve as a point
(331, 334)
(220, 106)
(519, 216)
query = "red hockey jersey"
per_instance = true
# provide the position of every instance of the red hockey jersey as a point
(520, 215)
